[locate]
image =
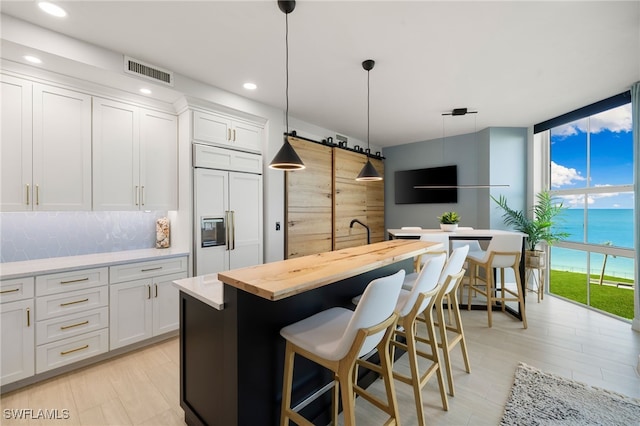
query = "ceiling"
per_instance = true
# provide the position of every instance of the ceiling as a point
(517, 63)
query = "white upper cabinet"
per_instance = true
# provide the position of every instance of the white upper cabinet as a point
(218, 129)
(135, 158)
(61, 149)
(46, 147)
(158, 160)
(16, 144)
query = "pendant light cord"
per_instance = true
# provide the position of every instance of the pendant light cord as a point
(368, 114)
(286, 43)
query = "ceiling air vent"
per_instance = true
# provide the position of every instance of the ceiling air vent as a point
(148, 71)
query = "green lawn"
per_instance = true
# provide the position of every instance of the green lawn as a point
(608, 298)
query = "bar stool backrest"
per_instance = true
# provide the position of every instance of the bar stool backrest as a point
(427, 280)
(504, 244)
(454, 265)
(376, 305)
(437, 238)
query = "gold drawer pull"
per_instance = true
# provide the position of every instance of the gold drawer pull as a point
(13, 290)
(74, 350)
(28, 317)
(73, 303)
(27, 194)
(151, 269)
(65, 327)
(74, 281)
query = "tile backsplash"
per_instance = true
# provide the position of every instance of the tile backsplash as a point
(40, 235)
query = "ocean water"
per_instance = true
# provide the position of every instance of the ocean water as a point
(605, 226)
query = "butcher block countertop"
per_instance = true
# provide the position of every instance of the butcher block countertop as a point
(285, 278)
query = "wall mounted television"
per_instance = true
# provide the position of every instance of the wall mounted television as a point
(405, 180)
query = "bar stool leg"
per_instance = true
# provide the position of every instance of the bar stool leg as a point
(415, 373)
(445, 348)
(523, 310)
(490, 296)
(345, 379)
(287, 384)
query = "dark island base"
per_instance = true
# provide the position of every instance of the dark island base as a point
(231, 361)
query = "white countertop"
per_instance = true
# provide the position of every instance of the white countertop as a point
(69, 263)
(458, 233)
(206, 288)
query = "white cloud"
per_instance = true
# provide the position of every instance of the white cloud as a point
(561, 175)
(615, 120)
(577, 200)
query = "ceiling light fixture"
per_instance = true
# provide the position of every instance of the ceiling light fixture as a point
(52, 9)
(368, 172)
(287, 159)
(250, 86)
(458, 112)
(145, 91)
(32, 59)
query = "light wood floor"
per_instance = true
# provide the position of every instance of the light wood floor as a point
(562, 338)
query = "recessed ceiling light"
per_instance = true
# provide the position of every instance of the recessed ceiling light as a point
(32, 59)
(145, 91)
(52, 9)
(250, 86)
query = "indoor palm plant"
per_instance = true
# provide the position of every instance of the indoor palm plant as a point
(449, 221)
(538, 225)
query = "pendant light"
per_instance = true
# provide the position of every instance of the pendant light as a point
(368, 172)
(287, 159)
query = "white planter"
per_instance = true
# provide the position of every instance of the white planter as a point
(449, 227)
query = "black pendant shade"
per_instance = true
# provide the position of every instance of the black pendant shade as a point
(368, 172)
(286, 159)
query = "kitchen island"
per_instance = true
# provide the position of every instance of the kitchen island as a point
(231, 351)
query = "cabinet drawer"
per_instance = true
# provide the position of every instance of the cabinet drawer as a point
(225, 159)
(67, 351)
(71, 325)
(74, 280)
(16, 289)
(141, 270)
(71, 302)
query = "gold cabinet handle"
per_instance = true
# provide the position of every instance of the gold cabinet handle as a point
(148, 291)
(234, 135)
(28, 317)
(151, 269)
(65, 327)
(156, 290)
(74, 350)
(74, 281)
(28, 194)
(13, 290)
(73, 303)
(137, 196)
(142, 195)
(37, 195)
(229, 132)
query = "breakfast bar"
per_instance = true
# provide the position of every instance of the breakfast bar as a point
(231, 352)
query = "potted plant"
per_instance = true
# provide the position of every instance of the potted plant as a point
(538, 225)
(449, 221)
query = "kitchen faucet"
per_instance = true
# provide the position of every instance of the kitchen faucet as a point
(366, 227)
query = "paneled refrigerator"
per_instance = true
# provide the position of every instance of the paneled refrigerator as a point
(228, 213)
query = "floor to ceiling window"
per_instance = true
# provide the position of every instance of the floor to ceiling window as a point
(591, 172)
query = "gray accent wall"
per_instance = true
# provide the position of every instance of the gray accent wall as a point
(491, 156)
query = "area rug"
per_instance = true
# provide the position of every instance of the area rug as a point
(539, 398)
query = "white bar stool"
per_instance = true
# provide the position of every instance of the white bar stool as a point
(336, 339)
(504, 252)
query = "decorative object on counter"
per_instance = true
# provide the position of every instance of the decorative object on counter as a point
(538, 224)
(162, 233)
(449, 221)
(368, 172)
(287, 159)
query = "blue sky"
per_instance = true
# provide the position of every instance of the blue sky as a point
(611, 158)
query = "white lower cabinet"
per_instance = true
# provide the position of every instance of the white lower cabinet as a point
(72, 317)
(146, 307)
(57, 319)
(17, 338)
